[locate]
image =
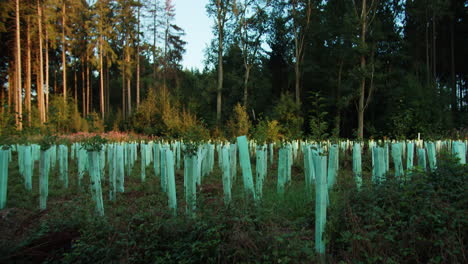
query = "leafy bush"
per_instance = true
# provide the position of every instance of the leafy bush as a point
(239, 124)
(289, 116)
(267, 131)
(423, 220)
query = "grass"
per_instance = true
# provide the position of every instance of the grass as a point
(422, 221)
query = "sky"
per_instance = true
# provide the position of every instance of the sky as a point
(192, 17)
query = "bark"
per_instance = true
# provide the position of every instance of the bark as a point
(27, 88)
(83, 88)
(88, 89)
(452, 66)
(129, 90)
(18, 103)
(40, 74)
(46, 73)
(246, 82)
(362, 88)
(138, 62)
(64, 58)
(221, 18)
(101, 75)
(338, 98)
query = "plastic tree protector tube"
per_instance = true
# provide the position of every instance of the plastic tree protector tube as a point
(190, 171)
(321, 194)
(422, 159)
(357, 165)
(226, 174)
(4, 160)
(397, 159)
(244, 158)
(44, 166)
(95, 171)
(171, 187)
(409, 155)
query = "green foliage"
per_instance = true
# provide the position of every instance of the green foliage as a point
(159, 115)
(267, 131)
(289, 116)
(317, 116)
(420, 221)
(239, 124)
(48, 141)
(94, 144)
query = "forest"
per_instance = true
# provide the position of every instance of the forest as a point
(312, 69)
(317, 131)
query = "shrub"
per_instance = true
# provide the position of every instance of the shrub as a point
(289, 116)
(267, 131)
(239, 124)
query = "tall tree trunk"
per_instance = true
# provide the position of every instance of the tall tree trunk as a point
(362, 89)
(76, 88)
(129, 88)
(27, 88)
(18, 103)
(40, 74)
(101, 73)
(220, 72)
(47, 90)
(246, 82)
(83, 88)
(338, 99)
(89, 105)
(107, 84)
(138, 60)
(428, 65)
(64, 50)
(124, 107)
(452, 65)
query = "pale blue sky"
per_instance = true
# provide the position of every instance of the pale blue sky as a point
(192, 17)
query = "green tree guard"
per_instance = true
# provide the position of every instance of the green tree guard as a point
(289, 162)
(102, 161)
(190, 170)
(113, 164)
(409, 155)
(422, 159)
(233, 160)
(28, 167)
(63, 164)
(386, 157)
(226, 174)
(156, 159)
(431, 155)
(282, 173)
(244, 159)
(260, 170)
(53, 156)
(272, 154)
(119, 167)
(82, 164)
(143, 161)
(20, 150)
(148, 155)
(357, 164)
(171, 186)
(378, 165)
(94, 162)
(4, 160)
(321, 194)
(163, 168)
(397, 159)
(333, 162)
(44, 167)
(459, 150)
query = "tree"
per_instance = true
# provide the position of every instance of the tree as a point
(251, 18)
(220, 10)
(301, 13)
(366, 16)
(19, 94)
